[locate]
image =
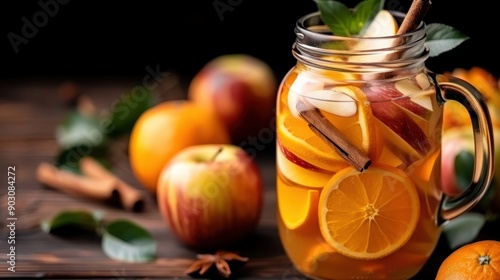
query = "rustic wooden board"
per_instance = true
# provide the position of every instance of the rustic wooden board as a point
(29, 114)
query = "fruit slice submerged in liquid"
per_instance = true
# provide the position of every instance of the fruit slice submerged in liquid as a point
(299, 171)
(309, 84)
(296, 136)
(368, 215)
(298, 206)
(387, 106)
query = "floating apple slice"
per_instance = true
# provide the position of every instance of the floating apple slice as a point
(299, 171)
(303, 84)
(332, 101)
(416, 94)
(403, 125)
(422, 81)
(327, 100)
(389, 93)
(383, 25)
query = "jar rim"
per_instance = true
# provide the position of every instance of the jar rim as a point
(317, 47)
(307, 21)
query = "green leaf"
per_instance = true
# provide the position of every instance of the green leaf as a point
(442, 38)
(69, 159)
(343, 21)
(76, 222)
(126, 241)
(336, 16)
(79, 129)
(463, 229)
(464, 167)
(125, 111)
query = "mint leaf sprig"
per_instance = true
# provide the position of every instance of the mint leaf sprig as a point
(344, 21)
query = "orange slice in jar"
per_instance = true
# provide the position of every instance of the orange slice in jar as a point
(297, 206)
(358, 128)
(368, 215)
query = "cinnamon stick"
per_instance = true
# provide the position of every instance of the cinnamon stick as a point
(71, 183)
(414, 16)
(131, 198)
(411, 21)
(332, 136)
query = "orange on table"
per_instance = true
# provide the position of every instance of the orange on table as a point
(296, 136)
(480, 78)
(455, 115)
(476, 261)
(369, 214)
(489, 87)
(164, 130)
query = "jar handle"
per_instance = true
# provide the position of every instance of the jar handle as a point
(452, 88)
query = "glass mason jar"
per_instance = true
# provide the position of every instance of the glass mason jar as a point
(359, 124)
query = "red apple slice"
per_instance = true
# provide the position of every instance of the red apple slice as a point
(386, 93)
(300, 171)
(416, 94)
(403, 125)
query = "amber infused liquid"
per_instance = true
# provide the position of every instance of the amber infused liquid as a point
(403, 119)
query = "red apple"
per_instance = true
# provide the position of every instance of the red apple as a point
(455, 140)
(241, 89)
(211, 196)
(461, 139)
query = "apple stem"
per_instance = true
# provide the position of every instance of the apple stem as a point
(216, 154)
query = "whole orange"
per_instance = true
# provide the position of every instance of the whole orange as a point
(475, 261)
(165, 129)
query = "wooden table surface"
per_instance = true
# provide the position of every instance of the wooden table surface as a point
(29, 114)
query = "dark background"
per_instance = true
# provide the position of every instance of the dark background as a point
(119, 38)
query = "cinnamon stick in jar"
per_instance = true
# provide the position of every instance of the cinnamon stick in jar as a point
(327, 132)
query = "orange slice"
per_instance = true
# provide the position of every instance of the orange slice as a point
(295, 135)
(297, 206)
(368, 215)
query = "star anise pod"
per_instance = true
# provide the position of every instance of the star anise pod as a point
(220, 260)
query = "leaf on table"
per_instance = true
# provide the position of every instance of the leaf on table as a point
(126, 241)
(75, 222)
(125, 111)
(80, 130)
(69, 159)
(442, 38)
(463, 229)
